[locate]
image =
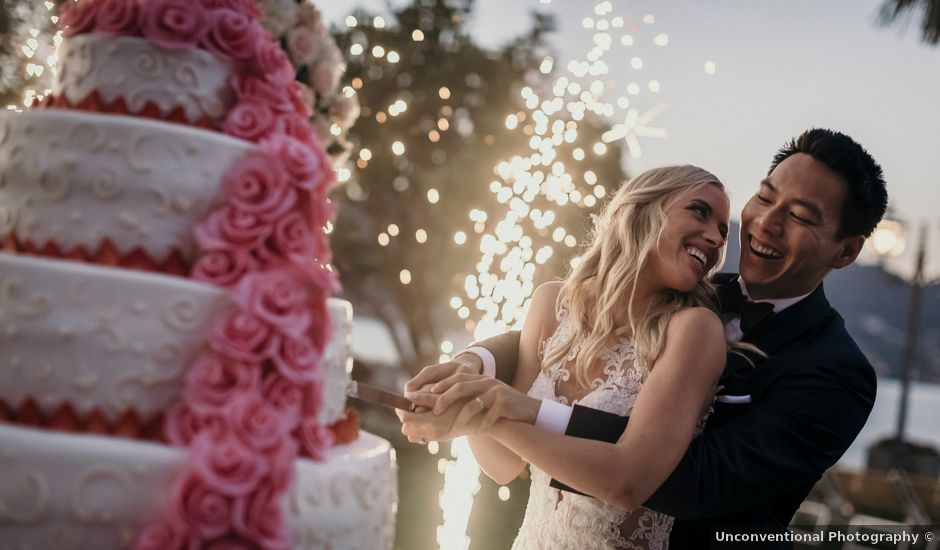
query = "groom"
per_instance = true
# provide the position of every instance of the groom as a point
(776, 426)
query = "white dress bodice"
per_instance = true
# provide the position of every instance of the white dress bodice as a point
(564, 520)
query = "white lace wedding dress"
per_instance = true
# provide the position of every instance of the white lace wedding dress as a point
(564, 520)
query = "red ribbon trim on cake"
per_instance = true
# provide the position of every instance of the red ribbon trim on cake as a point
(93, 103)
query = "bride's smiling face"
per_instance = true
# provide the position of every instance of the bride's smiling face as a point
(696, 230)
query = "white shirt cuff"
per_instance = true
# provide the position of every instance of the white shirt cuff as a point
(553, 416)
(489, 362)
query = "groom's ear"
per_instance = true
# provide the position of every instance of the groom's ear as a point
(851, 247)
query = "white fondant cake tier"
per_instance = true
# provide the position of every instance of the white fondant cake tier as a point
(140, 72)
(67, 491)
(76, 179)
(113, 340)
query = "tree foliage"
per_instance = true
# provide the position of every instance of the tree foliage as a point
(453, 130)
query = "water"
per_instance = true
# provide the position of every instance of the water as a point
(923, 419)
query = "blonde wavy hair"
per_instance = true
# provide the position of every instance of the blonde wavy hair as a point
(604, 281)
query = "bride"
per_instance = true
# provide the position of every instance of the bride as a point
(637, 312)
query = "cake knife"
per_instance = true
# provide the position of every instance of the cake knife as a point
(378, 395)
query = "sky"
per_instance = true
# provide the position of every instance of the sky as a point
(779, 68)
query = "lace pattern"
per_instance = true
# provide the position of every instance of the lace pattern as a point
(556, 520)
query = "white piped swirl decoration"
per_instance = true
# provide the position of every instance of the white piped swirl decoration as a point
(76, 178)
(141, 72)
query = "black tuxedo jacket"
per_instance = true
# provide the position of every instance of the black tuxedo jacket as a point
(755, 462)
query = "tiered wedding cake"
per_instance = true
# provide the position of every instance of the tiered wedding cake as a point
(169, 360)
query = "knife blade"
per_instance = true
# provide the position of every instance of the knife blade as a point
(366, 392)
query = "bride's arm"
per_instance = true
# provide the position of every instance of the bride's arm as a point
(661, 425)
(500, 463)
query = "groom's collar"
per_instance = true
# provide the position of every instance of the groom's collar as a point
(788, 323)
(779, 304)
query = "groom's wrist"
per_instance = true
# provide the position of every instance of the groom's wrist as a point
(487, 360)
(553, 416)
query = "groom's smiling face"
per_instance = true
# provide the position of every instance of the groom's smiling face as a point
(790, 229)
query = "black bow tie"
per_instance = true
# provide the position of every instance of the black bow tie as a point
(732, 301)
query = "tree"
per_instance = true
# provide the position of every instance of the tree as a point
(433, 130)
(930, 24)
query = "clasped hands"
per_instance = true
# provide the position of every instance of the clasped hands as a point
(454, 399)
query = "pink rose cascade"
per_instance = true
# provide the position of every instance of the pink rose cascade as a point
(250, 400)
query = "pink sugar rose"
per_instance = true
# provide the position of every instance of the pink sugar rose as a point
(226, 465)
(279, 297)
(258, 516)
(232, 34)
(222, 267)
(272, 63)
(256, 423)
(183, 423)
(206, 512)
(307, 164)
(297, 127)
(292, 239)
(161, 535)
(298, 97)
(257, 90)
(297, 360)
(242, 336)
(78, 17)
(230, 228)
(249, 121)
(302, 44)
(315, 438)
(174, 23)
(118, 17)
(284, 395)
(246, 7)
(259, 185)
(214, 380)
(230, 543)
(321, 326)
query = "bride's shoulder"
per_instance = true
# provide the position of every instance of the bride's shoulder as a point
(701, 320)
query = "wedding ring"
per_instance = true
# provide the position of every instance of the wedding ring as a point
(481, 403)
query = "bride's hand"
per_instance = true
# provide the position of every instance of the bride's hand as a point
(476, 394)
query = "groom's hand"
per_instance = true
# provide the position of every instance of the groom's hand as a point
(423, 425)
(464, 363)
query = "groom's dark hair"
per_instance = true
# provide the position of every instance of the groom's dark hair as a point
(867, 198)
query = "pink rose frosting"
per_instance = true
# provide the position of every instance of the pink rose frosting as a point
(297, 360)
(315, 437)
(278, 296)
(257, 424)
(230, 228)
(246, 7)
(258, 516)
(232, 35)
(258, 184)
(227, 465)
(307, 164)
(118, 17)
(249, 121)
(213, 380)
(223, 267)
(253, 89)
(242, 336)
(284, 395)
(273, 64)
(162, 535)
(205, 511)
(173, 23)
(292, 239)
(78, 17)
(183, 423)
